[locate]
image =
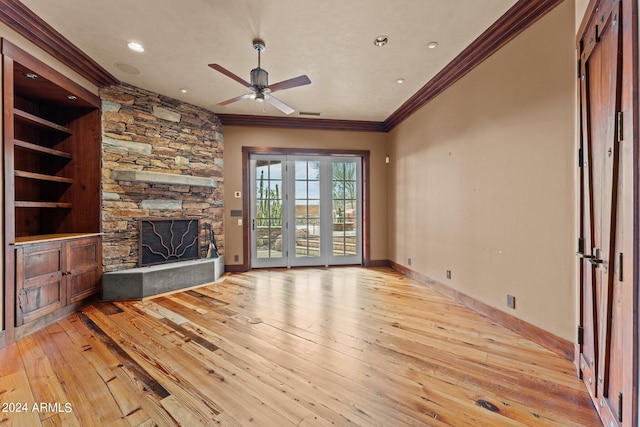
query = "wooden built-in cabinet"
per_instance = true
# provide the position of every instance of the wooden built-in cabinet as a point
(54, 273)
(52, 173)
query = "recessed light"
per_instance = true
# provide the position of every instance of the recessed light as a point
(183, 90)
(31, 76)
(432, 45)
(136, 47)
(381, 41)
(400, 81)
(72, 97)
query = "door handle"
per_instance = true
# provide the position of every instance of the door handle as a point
(592, 259)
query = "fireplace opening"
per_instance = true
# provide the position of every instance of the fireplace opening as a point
(164, 240)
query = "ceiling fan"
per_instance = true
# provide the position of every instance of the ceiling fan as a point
(261, 91)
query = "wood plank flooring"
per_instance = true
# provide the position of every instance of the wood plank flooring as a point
(304, 347)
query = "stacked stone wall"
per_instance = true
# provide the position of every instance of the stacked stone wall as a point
(145, 131)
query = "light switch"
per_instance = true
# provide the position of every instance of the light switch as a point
(239, 221)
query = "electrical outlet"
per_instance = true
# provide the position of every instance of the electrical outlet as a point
(409, 261)
(511, 301)
(448, 274)
(236, 258)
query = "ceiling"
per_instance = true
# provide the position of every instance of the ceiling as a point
(331, 41)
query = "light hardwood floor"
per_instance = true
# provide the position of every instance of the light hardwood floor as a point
(304, 347)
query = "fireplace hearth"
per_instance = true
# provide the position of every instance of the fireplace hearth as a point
(169, 261)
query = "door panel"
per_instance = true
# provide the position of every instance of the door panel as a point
(347, 211)
(40, 288)
(602, 318)
(267, 214)
(307, 242)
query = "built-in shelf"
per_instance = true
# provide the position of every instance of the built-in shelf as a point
(46, 238)
(40, 149)
(39, 121)
(55, 205)
(162, 178)
(43, 177)
(52, 158)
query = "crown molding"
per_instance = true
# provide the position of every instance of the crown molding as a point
(300, 123)
(22, 20)
(517, 19)
(521, 16)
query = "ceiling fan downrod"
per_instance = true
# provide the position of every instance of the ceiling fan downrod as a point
(259, 76)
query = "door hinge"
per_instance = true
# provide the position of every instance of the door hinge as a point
(580, 157)
(580, 245)
(620, 275)
(579, 68)
(620, 407)
(580, 335)
(619, 125)
(253, 224)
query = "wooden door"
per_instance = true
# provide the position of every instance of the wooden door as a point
(40, 284)
(83, 268)
(605, 347)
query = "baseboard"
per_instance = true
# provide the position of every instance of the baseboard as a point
(236, 268)
(379, 263)
(538, 335)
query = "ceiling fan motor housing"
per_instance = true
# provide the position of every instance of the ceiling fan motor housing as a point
(259, 78)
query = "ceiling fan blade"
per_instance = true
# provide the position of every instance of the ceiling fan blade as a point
(288, 84)
(279, 104)
(236, 99)
(228, 73)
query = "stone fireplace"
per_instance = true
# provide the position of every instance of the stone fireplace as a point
(163, 159)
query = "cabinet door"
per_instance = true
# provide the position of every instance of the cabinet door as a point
(83, 268)
(40, 287)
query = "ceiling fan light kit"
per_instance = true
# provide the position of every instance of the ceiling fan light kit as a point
(260, 89)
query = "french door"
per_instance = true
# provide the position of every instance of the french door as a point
(305, 210)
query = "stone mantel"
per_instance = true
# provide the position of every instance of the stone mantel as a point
(162, 178)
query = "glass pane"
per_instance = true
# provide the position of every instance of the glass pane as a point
(344, 194)
(339, 246)
(314, 190)
(269, 208)
(275, 211)
(275, 171)
(314, 170)
(307, 208)
(262, 210)
(301, 190)
(338, 210)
